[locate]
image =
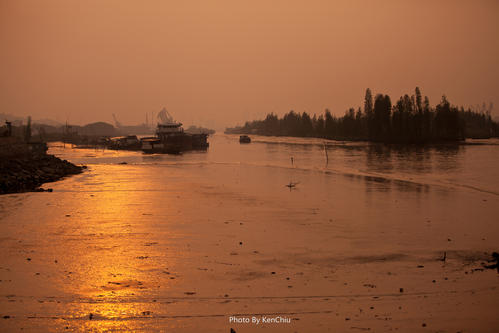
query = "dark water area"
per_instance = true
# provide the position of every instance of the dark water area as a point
(178, 242)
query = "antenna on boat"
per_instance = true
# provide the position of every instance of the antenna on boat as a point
(165, 117)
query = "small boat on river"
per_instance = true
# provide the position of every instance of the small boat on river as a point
(244, 139)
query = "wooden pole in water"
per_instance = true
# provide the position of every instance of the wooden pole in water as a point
(325, 151)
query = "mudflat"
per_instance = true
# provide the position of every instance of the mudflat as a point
(216, 240)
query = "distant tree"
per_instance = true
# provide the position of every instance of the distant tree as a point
(382, 113)
(347, 128)
(271, 125)
(427, 120)
(290, 124)
(410, 120)
(368, 111)
(419, 100)
(307, 128)
(418, 116)
(319, 127)
(398, 118)
(447, 123)
(328, 124)
(359, 125)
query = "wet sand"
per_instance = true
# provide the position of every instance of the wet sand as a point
(183, 246)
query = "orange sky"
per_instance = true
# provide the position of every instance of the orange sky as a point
(220, 62)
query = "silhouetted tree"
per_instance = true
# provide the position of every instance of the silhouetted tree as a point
(381, 118)
(410, 120)
(368, 111)
(306, 128)
(328, 124)
(447, 123)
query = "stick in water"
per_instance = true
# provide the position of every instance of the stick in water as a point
(325, 151)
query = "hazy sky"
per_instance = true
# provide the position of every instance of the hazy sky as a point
(218, 63)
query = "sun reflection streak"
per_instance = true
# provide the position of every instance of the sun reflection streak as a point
(120, 257)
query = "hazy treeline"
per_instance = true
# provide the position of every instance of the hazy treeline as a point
(410, 119)
(74, 133)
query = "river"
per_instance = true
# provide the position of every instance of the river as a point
(348, 240)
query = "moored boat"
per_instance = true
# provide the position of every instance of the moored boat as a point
(130, 142)
(244, 139)
(171, 138)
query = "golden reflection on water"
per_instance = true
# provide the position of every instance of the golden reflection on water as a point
(116, 262)
(222, 228)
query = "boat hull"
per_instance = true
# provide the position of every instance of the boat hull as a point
(175, 143)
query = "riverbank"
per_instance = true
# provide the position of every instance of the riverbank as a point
(25, 167)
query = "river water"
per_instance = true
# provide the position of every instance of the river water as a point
(185, 242)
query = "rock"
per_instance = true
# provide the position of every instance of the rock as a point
(27, 172)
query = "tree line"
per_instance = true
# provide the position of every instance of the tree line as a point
(410, 119)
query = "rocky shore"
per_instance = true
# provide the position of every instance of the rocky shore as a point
(26, 167)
